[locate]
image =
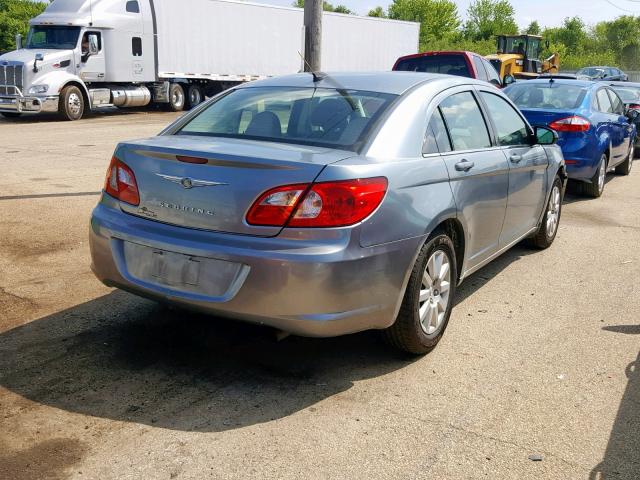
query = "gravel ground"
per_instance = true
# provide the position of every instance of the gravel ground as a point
(540, 360)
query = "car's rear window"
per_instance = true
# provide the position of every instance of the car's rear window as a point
(549, 96)
(310, 116)
(447, 64)
(628, 94)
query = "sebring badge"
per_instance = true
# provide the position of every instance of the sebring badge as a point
(187, 182)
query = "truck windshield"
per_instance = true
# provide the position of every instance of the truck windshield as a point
(328, 117)
(447, 64)
(53, 37)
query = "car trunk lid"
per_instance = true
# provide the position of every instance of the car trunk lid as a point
(216, 192)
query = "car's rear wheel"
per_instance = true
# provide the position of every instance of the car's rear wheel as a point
(428, 300)
(625, 167)
(596, 187)
(548, 229)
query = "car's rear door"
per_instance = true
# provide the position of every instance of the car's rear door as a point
(478, 170)
(527, 166)
(612, 124)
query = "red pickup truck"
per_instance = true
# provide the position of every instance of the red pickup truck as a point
(463, 64)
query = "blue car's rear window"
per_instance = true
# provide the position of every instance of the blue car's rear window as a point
(547, 96)
(328, 117)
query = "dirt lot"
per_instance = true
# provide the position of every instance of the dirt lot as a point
(541, 356)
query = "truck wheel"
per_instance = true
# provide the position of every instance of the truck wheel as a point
(176, 98)
(428, 300)
(194, 97)
(71, 106)
(10, 114)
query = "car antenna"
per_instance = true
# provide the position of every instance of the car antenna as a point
(317, 76)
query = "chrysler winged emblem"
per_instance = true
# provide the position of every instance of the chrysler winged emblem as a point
(187, 182)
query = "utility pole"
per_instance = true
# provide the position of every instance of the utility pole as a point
(312, 34)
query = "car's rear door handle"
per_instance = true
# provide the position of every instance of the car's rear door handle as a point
(464, 165)
(515, 158)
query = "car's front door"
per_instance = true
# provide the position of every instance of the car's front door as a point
(527, 167)
(479, 174)
(623, 126)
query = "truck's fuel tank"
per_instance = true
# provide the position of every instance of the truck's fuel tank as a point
(131, 97)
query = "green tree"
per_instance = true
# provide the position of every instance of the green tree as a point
(14, 19)
(438, 18)
(487, 18)
(377, 12)
(533, 28)
(343, 9)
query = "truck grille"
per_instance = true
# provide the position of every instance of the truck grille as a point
(11, 75)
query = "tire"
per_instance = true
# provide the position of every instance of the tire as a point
(71, 106)
(10, 114)
(176, 98)
(194, 97)
(548, 230)
(625, 167)
(596, 187)
(419, 334)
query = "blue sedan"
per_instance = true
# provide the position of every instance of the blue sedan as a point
(591, 120)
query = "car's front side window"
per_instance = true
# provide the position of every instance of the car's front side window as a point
(511, 128)
(465, 123)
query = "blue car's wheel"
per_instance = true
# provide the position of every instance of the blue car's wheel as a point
(625, 167)
(596, 187)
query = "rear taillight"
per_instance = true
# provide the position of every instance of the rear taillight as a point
(121, 183)
(634, 106)
(571, 124)
(325, 204)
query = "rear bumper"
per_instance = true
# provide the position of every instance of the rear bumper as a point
(581, 156)
(21, 104)
(311, 283)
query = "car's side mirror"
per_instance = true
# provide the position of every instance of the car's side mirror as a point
(508, 80)
(632, 112)
(545, 136)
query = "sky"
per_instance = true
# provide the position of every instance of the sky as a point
(549, 13)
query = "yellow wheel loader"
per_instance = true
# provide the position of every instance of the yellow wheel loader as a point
(518, 56)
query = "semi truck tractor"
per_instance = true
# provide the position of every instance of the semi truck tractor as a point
(83, 55)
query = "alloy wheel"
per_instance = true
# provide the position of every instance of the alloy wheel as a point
(434, 293)
(602, 174)
(553, 212)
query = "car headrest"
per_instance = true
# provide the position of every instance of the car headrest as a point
(264, 124)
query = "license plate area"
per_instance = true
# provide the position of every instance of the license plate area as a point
(181, 272)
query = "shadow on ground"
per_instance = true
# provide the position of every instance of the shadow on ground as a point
(622, 457)
(128, 359)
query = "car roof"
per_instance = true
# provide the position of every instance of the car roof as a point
(383, 82)
(561, 81)
(623, 84)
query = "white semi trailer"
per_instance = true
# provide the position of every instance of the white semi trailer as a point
(88, 54)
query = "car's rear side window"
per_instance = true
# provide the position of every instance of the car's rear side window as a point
(616, 103)
(604, 102)
(482, 73)
(437, 139)
(446, 64)
(492, 72)
(465, 123)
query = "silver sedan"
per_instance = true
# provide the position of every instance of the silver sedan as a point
(328, 204)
